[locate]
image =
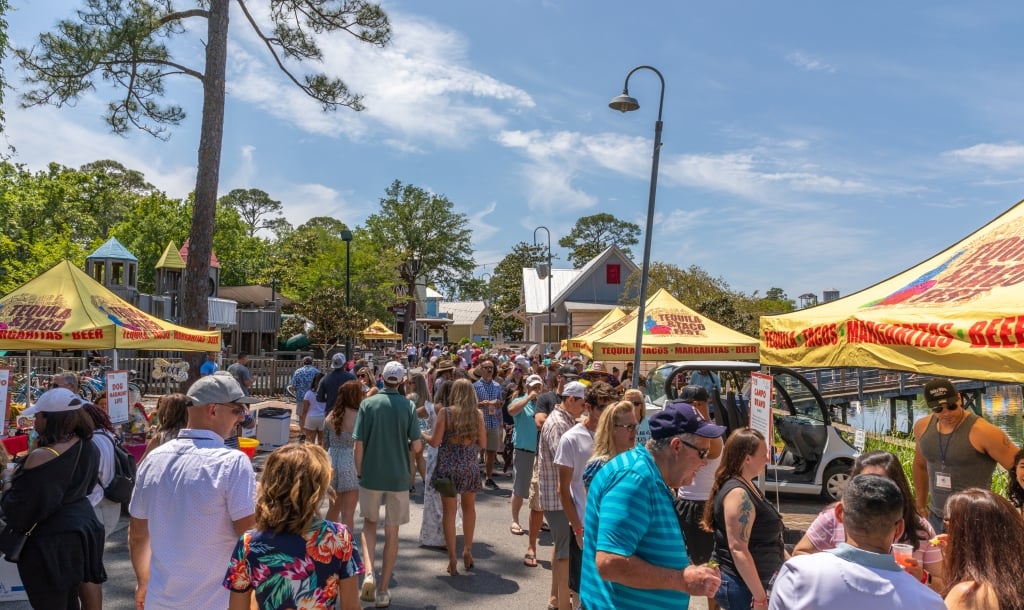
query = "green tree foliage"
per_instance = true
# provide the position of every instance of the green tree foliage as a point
(591, 235)
(507, 287)
(152, 222)
(124, 43)
(332, 321)
(411, 220)
(256, 208)
(4, 7)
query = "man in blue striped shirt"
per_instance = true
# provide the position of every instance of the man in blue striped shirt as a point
(633, 551)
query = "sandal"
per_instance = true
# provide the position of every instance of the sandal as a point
(530, 560)
(516, 530)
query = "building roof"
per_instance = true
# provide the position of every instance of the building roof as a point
(535, 289)
(250, 297)
(565, 281)
(171, 258)
(433, 294)
(574, 306)
(463, 312)
(113, 249)
(213, 255)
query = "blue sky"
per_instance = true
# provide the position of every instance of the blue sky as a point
(807, 145)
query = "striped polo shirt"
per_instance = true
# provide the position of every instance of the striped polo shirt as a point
(630, 513)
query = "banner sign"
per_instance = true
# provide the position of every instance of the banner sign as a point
(118, 399)
(761, 406)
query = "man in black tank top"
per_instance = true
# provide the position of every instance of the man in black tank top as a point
(955, 450)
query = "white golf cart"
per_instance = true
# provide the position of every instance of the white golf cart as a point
(815, 458)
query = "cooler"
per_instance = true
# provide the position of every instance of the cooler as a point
(272, 427)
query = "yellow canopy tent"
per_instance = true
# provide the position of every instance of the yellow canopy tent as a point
(959, 313)
(580, 344)
(66, 309)
(379, 332)
(673, 331)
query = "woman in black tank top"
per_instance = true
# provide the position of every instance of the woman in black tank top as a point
(747, 528)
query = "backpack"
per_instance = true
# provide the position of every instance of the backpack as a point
(120, 488)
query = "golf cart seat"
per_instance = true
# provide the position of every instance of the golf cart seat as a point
(803, 436)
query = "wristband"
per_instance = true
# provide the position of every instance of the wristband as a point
(578, 531)
(763, 602)
(926, 578)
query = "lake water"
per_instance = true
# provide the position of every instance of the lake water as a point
(1001, 405)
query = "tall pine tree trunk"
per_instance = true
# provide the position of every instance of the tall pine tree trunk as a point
(197, 269)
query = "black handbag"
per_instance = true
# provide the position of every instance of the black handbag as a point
(445, 486)
(12, 542)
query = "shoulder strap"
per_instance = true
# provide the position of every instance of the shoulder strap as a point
(52, 450)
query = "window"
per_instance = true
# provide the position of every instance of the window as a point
(613, 274)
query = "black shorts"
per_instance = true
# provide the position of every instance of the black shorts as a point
(699, 544)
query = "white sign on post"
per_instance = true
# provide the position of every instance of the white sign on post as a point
(118, 398)
(5, 396)
(859, 439)
(761, 406)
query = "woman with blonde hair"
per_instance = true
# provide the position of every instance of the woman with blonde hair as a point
(419, 395)
(459, 434)
(639, 403)
(288, 533)
(431, 528)
(616, 433)
(340, 446)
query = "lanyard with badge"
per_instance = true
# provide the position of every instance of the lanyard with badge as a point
(944, 480)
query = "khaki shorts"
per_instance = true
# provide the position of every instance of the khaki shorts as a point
(534, 490)
(396, 506)
(494, 439)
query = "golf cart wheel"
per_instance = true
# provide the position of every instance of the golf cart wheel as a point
(834, 481)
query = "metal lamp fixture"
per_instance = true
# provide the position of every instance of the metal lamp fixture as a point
(346, 236)
(544, 270)
(626, 103)
(414, 266)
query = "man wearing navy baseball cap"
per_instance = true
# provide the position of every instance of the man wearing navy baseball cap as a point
(634, 555)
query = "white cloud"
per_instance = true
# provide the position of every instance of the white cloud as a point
(419, 88)
(1008, 156)
(808, 63)
(481, 230)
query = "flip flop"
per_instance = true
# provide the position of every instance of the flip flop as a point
(530, 560)
(516, 529)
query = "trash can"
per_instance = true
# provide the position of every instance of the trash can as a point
(272, 427)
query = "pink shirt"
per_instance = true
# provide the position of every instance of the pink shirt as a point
(827, 532)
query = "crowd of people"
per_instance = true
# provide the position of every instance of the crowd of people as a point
(631, 526)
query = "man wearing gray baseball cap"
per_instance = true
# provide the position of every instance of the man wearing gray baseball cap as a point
(193, 497)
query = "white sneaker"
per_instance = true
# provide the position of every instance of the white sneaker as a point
(369, 589)
(383, 599)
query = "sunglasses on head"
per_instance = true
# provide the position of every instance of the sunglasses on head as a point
(949, 407)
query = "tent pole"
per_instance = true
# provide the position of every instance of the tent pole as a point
(115, 359)
(28, 376)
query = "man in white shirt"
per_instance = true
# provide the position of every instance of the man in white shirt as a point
(193, 498)
(861, 573)
(574, 451)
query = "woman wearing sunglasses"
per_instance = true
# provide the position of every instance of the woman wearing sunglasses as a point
(747, 528)
(616, 433)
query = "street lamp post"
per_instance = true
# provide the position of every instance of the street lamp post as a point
(625, 103)
(487, 305)
(411, 317)
(541, 273)
(346, 236)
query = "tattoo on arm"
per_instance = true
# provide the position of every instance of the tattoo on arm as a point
(746, 518)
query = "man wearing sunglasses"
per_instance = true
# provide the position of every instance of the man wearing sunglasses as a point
(955, 449)
(634, 555)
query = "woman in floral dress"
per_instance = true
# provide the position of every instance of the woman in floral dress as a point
(293, 558)
(337, 440)
(459, 433)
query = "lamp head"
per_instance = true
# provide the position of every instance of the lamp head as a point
(543, 269)
(345, 235)
(624, 103)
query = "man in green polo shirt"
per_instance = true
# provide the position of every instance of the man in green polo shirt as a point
(385, 478)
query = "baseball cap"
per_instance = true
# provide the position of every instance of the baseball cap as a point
(939, 392)
(693, 392)
(681, 418)
(393, 371)
(569, 372)
(337, 361)
(534, 380)
(57, 400)
(219, 388)
(575, 389)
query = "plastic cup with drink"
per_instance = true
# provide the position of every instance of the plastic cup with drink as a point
(904, 555)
